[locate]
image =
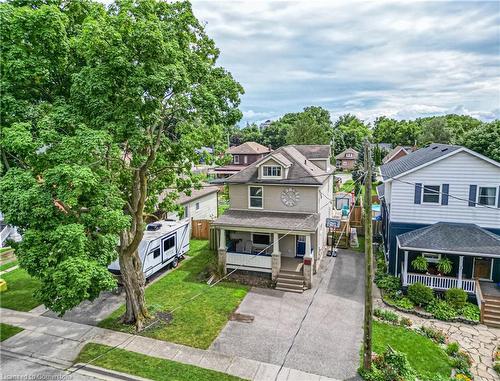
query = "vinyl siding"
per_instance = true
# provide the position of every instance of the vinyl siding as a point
(206, 211)
(459, 171)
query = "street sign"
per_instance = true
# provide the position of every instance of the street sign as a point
(333, 223)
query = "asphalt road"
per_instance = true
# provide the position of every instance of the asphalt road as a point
(329, 337)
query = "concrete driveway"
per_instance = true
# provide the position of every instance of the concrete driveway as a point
(329, 329)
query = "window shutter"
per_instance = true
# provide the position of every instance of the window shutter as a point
(418, 193)
(472, 195)
(444, 195)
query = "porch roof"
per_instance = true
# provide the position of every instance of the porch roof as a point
(268, 220)
(452, 238)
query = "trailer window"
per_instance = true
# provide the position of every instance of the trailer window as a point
(168, 243)
(155, 252)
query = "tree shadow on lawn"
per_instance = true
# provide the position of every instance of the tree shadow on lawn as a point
(201, 311)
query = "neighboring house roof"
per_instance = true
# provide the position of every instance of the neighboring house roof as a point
(343, 154)
(249, 148)
(301, 170)
(314, 151)
(452, 238)
(269, 220)
(205, 190)
(394, 152)
(279, 157)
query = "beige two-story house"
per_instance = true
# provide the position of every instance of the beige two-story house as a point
(276, 220)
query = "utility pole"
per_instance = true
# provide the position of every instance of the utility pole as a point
(367, 326)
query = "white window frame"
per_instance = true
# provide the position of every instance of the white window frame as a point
(236, 159)
(186, 211)
(262, 244)
(348, 155)
(276, 167)
(197, 206)
(249, 197)
(431, 257)
(438, 202)
(479, 195)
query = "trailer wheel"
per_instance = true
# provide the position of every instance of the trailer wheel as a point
(175, 262)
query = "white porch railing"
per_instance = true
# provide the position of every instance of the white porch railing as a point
(4, 234)
(440, 282)
(249, 261)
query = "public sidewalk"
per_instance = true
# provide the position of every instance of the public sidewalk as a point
(61, 341)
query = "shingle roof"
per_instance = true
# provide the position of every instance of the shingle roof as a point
(269, 220)
(452, 238)
(301, 170)
(248, 148)
(314, 151)
(416, 159)
(195, 194)
(342, 155)
(394, 152)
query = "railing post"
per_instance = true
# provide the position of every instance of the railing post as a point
(460, 270)
(405, 269)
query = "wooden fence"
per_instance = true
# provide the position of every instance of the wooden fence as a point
(200, 229)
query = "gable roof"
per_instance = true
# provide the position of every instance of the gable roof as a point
(248, 148)
(301, 169)
(314, 151)
(276, 157)
(394, 152)
(342, 155)
(183, 198)
(452, 238)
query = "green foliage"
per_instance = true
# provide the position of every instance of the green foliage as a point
(444, 265)
(462, 362)
(456, 297)
(405, 303)
(389, 283)
(470, 311)
(452, 349)
(389, 366)
(386, 315)
(484, 138)
(420, 264)
(148, 367)
(441, 310)
(102, 108)
(405, 322)
(311, 126)
(433, 334)
(420, 294)
(7, 331)
(20, 289)
(349, 132)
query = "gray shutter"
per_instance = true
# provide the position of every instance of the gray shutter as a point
(418, 193)
(472, 195)
(444, 194)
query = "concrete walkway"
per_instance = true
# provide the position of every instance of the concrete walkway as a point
(329, 330)
(60, 341)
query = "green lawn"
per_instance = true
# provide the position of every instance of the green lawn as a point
(5, 249)
(347, 186)
(7, 331)
(19, 294)
(8, 265)
(152, 368)
(198, 322)
(426, 357)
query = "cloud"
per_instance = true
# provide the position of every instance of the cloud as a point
(368, 58)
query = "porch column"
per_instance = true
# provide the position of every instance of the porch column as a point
(460, 270)
(275, 257)
(222, 251)
(308, 263)
(405, 269)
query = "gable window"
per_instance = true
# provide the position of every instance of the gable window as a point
(255, 197)
(271, 171)
(348, 155)
(236, 159)
(487, 196)
(430, 194)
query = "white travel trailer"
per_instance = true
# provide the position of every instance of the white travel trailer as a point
(162, 245)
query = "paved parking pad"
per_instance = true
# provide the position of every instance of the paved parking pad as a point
(330, 337)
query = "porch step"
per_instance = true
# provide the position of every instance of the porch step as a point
(290, 275)
(291, 281)
(491, 322)
(289, 288)
(492, 308)
(492, 301)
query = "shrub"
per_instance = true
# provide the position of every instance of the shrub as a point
(441, 310)
(386, 315)
(444, 266)
(420, 264)
(388, 283)
(471, 312)
(420, 294)
(456, 297)
(405, 322)
(433, 334)
(405, 303)
(497, 367)
(389, 366)
(462, 362)
(452, 349)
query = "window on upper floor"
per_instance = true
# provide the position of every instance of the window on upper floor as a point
(236, 159)
(430, 194)
(197, 206)
(255, 196)
(271, 171)
(487, 196)
(348, 155)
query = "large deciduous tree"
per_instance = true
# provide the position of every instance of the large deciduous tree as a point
(102, 109)
(311, 126)
(485, 139)
(349, 132)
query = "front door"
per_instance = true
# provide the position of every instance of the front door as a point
(301, 246)
(482, 268)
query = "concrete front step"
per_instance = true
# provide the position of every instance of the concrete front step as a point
(291, 281)
(286, 289)
(291, 274)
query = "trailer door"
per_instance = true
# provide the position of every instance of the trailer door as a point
(169, 249)
(152, 258)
